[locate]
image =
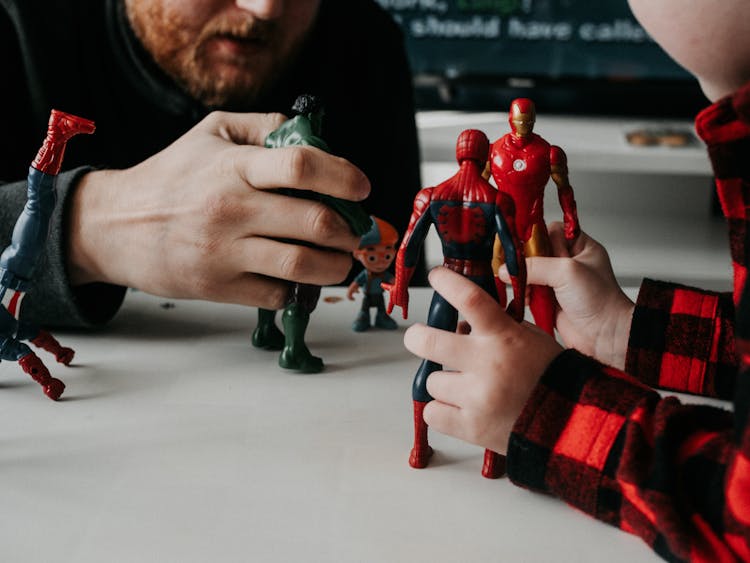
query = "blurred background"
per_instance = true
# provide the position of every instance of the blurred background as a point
(605, 92)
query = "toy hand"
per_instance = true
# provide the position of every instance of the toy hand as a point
(497, 363)
(203, 218)
(351, 290)
(399, 296)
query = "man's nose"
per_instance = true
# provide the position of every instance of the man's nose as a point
(262, 9)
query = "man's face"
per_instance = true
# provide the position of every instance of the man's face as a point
(225, 53)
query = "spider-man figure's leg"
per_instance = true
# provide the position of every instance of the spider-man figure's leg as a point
(295, 319)
(12, 349)
(444, 316)
(494, 463)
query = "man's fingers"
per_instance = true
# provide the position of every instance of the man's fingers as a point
(259, 255)
(301, 168)
(276, 215)
(480, 310)
(243, 128)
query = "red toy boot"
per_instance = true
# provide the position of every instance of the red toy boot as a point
(47, 342)
(32, 365)
(421, 452)
(62, 126)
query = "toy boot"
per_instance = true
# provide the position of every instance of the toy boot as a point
(266, 334)
(494, 465)
(422, 451)
(382, 320)
(46, 341)
(362, 322)
(62, 126)
(295, 354)
(32, 365)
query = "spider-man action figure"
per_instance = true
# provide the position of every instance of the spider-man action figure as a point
(521, 163)
(467, 213)
(303, 129)
(19, 259)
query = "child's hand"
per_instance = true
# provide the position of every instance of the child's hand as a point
(498, 364)
(594, 315)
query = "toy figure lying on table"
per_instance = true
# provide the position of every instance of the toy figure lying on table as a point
(303, 129)
(467, 213)
(19, 259)
(521, 163)
(377, 249)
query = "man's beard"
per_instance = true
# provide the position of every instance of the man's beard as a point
(217, 79)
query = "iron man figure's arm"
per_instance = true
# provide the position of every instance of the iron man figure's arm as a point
(408, 252)
(505, 212)
(559, 173)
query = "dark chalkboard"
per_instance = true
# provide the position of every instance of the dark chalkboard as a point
(579, 56)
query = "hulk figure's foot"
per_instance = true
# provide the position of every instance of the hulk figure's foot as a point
(268, 337)
(300, 360)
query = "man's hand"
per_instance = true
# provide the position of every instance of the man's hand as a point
(201, 219)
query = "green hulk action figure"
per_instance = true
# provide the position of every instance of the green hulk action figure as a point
(302, 129)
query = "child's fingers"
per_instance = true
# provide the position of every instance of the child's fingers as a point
(481, 311)
(558, 240)
(439, 346)
(553, 272)
(448, 387)
(443, 418)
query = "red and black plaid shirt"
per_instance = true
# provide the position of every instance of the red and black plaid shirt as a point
(676, 475)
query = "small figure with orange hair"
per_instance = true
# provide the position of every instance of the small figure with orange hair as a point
(376, 252)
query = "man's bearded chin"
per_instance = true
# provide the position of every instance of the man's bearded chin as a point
(218, 87)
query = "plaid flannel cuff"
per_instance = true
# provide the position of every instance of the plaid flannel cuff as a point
(680, 340)
(569, 435)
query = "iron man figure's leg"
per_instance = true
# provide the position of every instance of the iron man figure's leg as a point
(541, 297)
(442, 315)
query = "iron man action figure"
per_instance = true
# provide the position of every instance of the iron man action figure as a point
(19, 259)
(521, 163)
(467, 213)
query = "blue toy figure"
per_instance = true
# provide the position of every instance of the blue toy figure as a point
(19, 259)
(376, 252)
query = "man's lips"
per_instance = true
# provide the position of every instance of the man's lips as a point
(236, 45)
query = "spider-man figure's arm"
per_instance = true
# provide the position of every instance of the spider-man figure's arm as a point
(505, 212)
(559, 173)
(408, 253)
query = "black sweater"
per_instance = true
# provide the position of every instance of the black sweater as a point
(81, 56)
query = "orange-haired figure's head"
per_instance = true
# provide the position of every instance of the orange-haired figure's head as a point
(377, 248)
(522, 116)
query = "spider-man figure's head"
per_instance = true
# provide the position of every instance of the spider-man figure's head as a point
(474, 145)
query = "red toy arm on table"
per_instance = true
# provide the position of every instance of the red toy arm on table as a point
(559, 173)
(408, 253)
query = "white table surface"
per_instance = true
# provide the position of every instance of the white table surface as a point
(177, 441)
